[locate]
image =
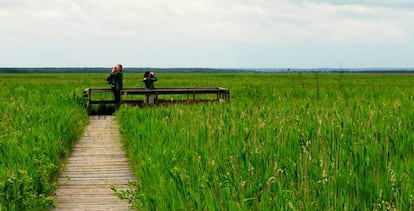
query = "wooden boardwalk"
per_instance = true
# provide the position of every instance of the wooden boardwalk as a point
(97, 161)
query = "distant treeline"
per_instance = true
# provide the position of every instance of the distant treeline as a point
(204, 70)
(126, 69)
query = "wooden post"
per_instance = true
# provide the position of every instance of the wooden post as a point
(86, 97)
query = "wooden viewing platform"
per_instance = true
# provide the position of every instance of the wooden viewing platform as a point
(220, 95)
(97, 162)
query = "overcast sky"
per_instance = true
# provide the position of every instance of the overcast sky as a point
(207, 33)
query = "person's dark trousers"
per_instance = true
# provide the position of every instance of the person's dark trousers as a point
(117, 96)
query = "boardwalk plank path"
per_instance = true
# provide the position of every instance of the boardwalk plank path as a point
(97, 161)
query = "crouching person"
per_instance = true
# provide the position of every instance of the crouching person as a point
(149, 79)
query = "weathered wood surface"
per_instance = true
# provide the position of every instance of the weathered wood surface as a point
(222, 95)
(97, 161)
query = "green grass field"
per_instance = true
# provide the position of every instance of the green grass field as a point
(285, 141)
(40, 118)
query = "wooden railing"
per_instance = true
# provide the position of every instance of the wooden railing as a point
(221, 95)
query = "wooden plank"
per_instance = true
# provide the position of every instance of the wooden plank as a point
(93, 167)
(140, 91)
(98, 174)
(95, 181)
(96, 163)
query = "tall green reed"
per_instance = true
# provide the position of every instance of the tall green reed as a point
(40, 118)
(341, 142)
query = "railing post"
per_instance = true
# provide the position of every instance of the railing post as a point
(86, 97)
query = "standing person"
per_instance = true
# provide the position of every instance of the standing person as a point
(115, 80)
(149, 79)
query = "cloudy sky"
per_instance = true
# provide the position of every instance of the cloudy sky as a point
(207, 33)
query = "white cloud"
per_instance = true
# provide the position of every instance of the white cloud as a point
(402, 4)
(179, 27)
(260, 21)
(352, 22)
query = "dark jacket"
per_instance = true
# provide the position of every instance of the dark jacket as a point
(115, 80)
(149, 82)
